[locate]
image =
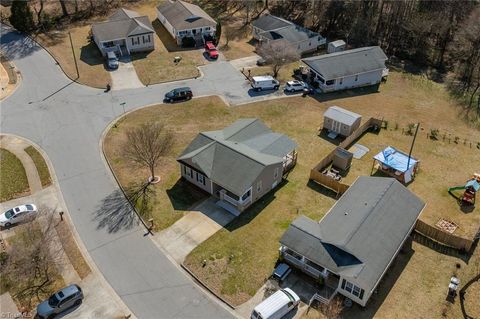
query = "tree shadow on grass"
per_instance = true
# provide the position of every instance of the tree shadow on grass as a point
(385, 286)
(115, 213)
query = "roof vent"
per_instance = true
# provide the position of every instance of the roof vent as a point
(346, 213)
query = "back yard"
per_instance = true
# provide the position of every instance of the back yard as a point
(241, 256)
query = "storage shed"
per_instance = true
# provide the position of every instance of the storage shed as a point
(341, 121)
(336, 46)
(342, 159)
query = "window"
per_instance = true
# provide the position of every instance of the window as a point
(246, 195)
(207, 28)
(341, 80)
(200, 178)
(321, 79)
(189, 172)
(319, 38)
(259, 186)
(356, 77)
(351, 288)
(330, 82)
(275, 173)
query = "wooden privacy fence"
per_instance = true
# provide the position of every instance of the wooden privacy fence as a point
(442, 237)
(327, 181)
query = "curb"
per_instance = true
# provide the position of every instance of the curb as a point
(205, 286)
(76, 237)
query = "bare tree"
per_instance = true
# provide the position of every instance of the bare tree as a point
(229, 34)
(333, 309)
(33, 259)
(147, 144)
(277, 54)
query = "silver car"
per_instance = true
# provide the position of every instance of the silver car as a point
(17, 214)
(112, 60)
(60, 301)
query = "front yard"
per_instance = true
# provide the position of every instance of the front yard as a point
(13, 179)
(241, 256)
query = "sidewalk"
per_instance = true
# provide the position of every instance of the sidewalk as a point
(95, 287)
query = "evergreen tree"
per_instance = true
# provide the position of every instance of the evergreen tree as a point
(218, 32)
(21, 17)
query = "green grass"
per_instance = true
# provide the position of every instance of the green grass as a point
(13, 179)
(40, 164)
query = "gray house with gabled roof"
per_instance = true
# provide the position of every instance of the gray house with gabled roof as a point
(238, 164)
(348, 69)
(356, 241)
(183, 19)
(272, 28)
(125, 32)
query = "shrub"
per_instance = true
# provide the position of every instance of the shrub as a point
(434, 134)
(396, 126)
(456, 139)
(410, 129)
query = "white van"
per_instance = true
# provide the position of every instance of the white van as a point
(277, 305)
(265, 82)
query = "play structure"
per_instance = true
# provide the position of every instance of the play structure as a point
(469, 190)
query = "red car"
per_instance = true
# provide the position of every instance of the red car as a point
(211, 50)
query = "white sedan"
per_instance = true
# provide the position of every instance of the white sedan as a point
(295, 86)
(17, 214)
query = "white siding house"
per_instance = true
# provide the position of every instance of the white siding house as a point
(348, 69)
(182, 19)
(125, 32)
(271, 28)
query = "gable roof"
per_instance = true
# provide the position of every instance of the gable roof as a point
(183, 15)
(270, 22)
(122, 23)
(341, 115)
(235, 156)
(349, 62)
(361, 233)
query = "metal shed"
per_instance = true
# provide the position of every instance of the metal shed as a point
(341, 121)
(336, 46)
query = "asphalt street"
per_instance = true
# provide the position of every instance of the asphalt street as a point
(67, 121)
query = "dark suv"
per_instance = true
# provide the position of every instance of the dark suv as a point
(60, 301)
(180, 94)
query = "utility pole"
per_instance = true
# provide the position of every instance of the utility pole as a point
(73, 52)
(411, 147)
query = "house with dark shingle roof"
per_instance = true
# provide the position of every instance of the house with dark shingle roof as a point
(238, 164)
(272, 28)
(125, 32)
(354, 244)
(348, 69)
(183, 19)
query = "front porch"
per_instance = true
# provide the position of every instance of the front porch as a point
(231, 202)
(326, 282)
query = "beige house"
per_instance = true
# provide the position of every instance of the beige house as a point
(125, 32)
(238, 164)
(183, 19)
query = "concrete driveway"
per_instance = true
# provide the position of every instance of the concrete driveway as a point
(192, 229)
(125, 77)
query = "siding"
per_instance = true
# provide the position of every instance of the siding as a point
(267, 180)
(208, 183)
(166, 24)
(139, 42)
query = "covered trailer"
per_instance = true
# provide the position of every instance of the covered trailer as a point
(342, 159)
(336, 46)
(341, 121)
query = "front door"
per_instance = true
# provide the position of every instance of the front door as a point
(194, 31)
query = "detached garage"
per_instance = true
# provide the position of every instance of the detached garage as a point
(341, 121)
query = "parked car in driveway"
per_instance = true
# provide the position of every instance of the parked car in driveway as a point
(295, 86)
(265, 82)
(179, 94)
(17, 214)
(112, 60)
(277, 305)
(261, 62)
(211, 50)
(60, 301)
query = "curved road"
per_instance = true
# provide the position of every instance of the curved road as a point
(67, 121)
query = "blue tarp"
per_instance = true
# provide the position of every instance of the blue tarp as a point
(395, 159)
(473, 183)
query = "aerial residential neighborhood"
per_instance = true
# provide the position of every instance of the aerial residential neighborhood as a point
(239, 159)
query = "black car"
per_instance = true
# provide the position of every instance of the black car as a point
(179, 94)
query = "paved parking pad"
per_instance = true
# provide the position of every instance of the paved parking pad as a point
(194, 228)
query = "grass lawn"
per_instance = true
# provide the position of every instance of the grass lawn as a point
(71, 250)
(40, 164)
(13, 179)
(241, 256)
(89, 59)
